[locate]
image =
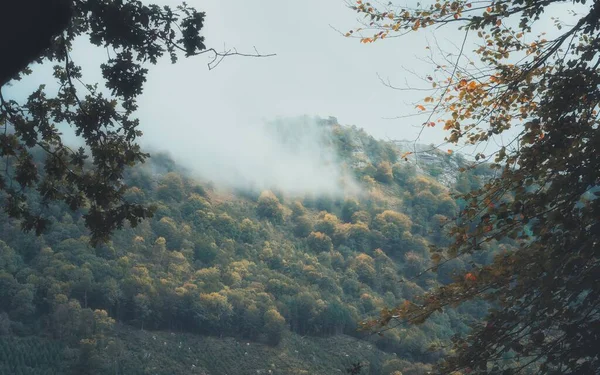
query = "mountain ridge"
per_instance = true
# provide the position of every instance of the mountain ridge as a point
(257, 265)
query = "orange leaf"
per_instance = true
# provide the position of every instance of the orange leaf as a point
(450, 152)
(470, 277)
(416, 25)
(419, 106)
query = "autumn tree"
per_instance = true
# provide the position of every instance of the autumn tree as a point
(274, 326)
(269, 207)
(541, 93)
(327, 223)
(349, 208)
(91, 178)
(319, 242)
(303, 226)
(384, 172)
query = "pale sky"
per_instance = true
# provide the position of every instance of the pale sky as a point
(211, 120)
(316, 71)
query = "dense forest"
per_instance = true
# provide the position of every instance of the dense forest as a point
(257, 266)
(413, 260)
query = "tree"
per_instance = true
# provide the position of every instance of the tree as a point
(298, 209)
(88, 178)
(248, 230)
(269, 207)
(212, 309)
(319, 242)
(303, 226)
(303, 309)
(9, 260)
(349, 208)
(384, 172)
(544, 195)
(365, 268)
(327, 223)
(142, 308)
(171, 187)
(274, 326)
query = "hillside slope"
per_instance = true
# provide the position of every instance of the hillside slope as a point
(288, 276)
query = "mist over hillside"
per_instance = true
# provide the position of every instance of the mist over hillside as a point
(292, 155)
(317, 229)
(305, 155)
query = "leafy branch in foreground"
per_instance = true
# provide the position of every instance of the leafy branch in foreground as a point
(90, 177)
(544, 292)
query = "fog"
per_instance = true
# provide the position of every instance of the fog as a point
(213, 121)
(291, 155)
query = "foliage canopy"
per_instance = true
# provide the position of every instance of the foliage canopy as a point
(545, 295)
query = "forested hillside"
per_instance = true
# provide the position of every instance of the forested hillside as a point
(241, 280)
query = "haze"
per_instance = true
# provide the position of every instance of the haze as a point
(213, 121)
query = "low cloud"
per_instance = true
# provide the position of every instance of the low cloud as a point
(291, 155)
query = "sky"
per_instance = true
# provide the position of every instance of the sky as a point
(316, 71)
(212, 120)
